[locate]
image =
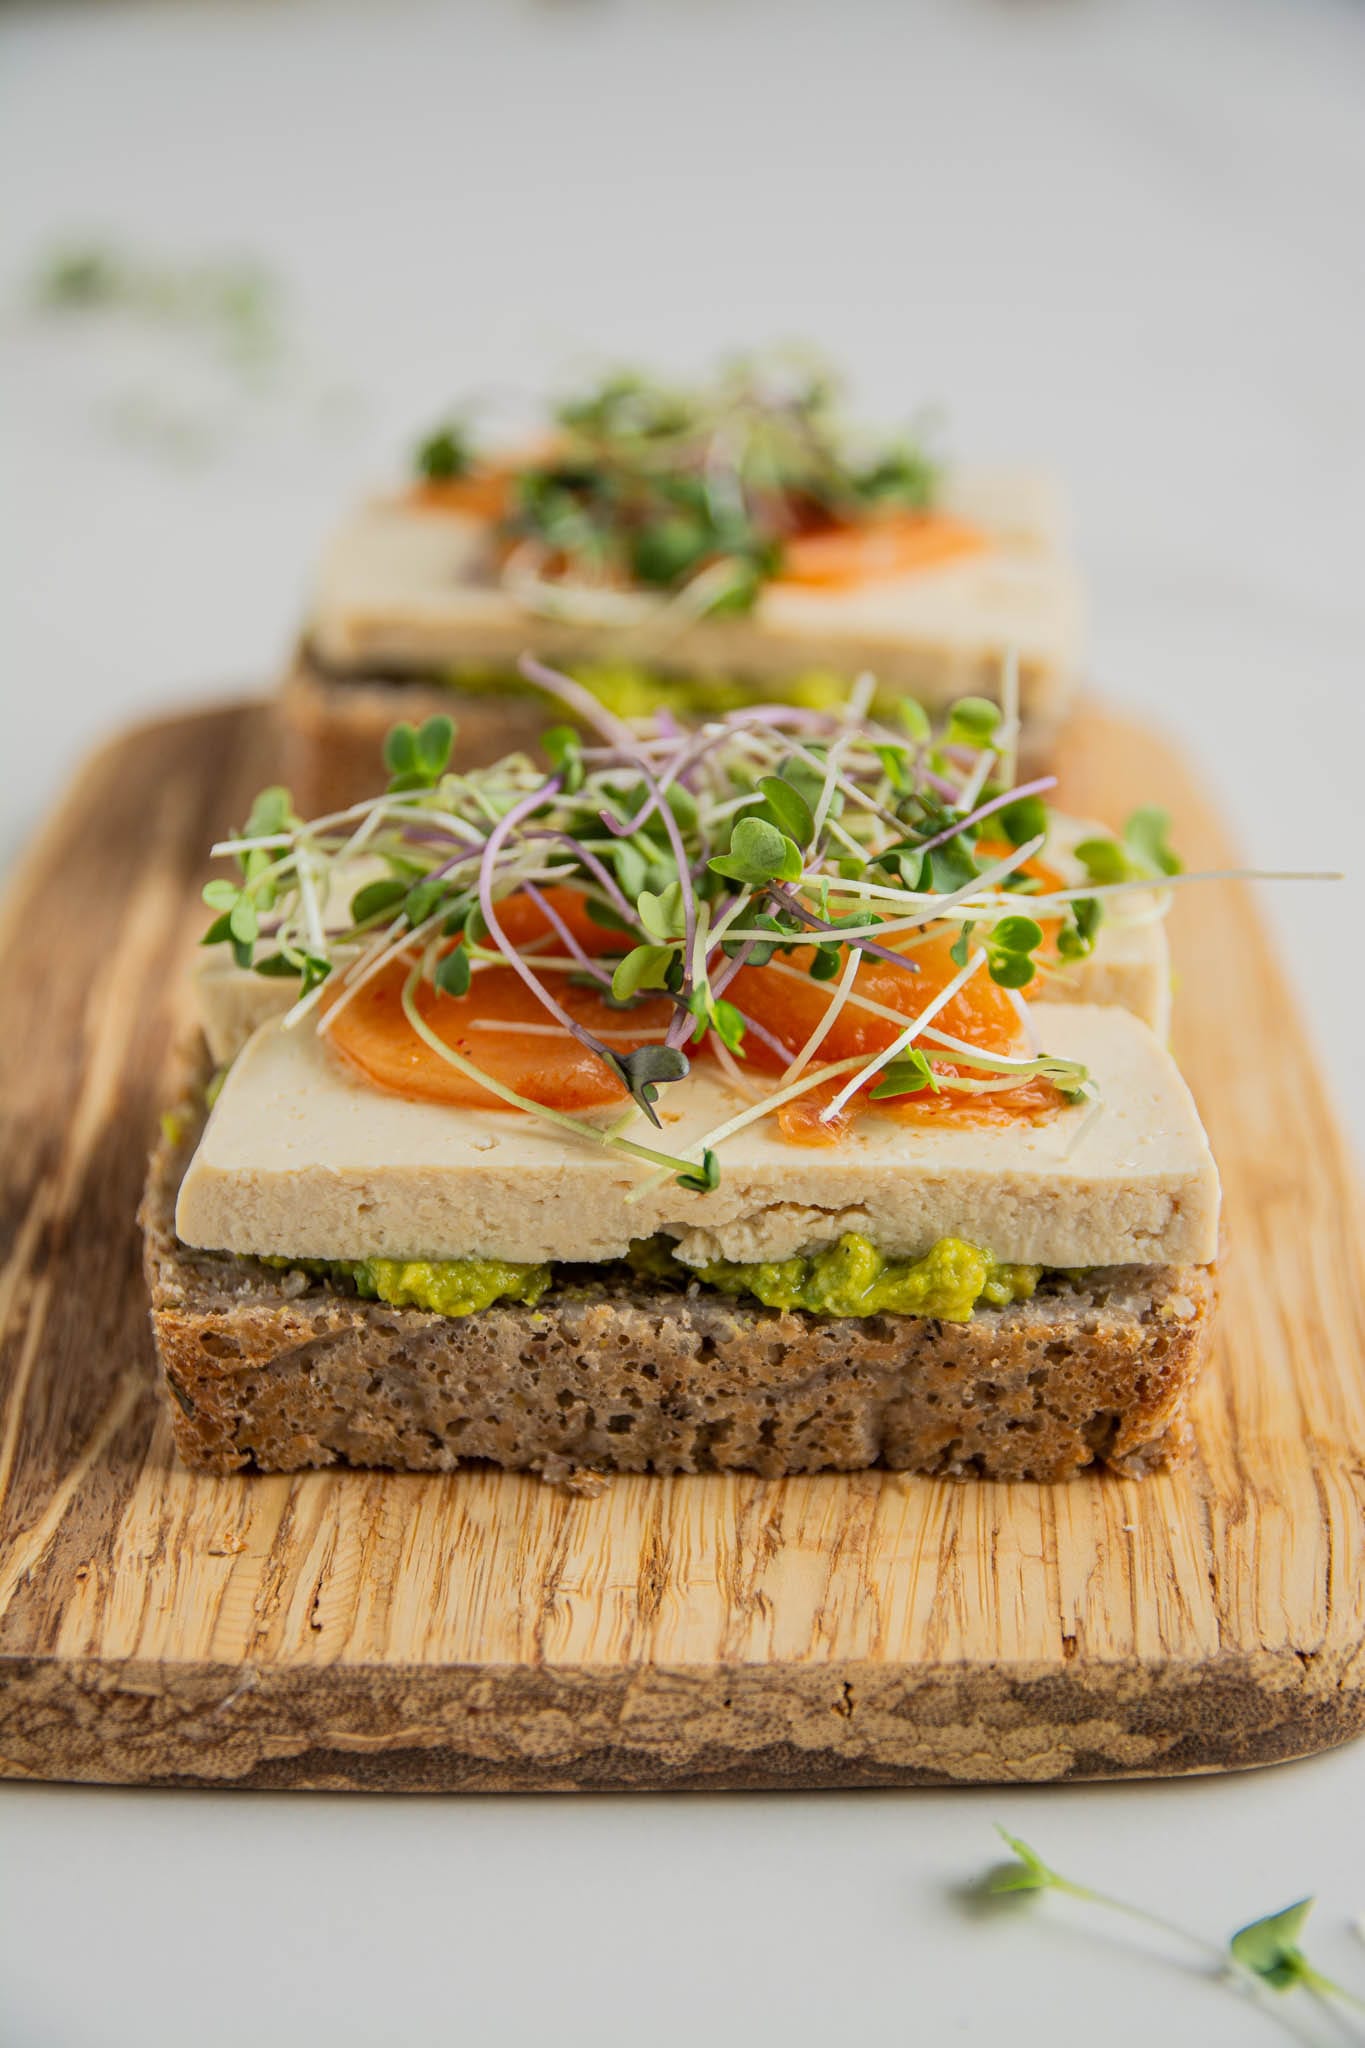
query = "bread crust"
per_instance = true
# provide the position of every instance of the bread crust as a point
(276, 1370)
(332, 729)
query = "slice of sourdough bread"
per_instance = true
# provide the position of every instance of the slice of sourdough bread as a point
(279, 1370)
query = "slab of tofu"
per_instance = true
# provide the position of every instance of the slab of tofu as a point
(301, 1158)
(414, 588)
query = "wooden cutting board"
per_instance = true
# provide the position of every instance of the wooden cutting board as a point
(353, 1629)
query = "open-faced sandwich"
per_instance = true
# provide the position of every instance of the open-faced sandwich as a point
(681, 550)
(780, 1094)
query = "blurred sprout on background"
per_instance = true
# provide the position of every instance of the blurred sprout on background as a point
(231, 302)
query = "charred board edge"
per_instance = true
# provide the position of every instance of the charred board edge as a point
(402, 1728)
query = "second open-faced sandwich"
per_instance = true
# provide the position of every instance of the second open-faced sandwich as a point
(690, 1105)
(689, 550)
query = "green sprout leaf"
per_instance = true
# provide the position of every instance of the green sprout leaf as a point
(680, 801)
(1104, 861)
(669, 549)
(272, 813)
(1070, 1079)
(376, 898)
(728, 1023)
(1270, 1947)
(1024, 820)
(435, 738)
(662, 915)
(758, 853)
(1010, 970)
(308, 968)
(909, 1075)
(1017, 935)
(643, 967)
(631, 871)
(417, 757)
(808, 781)
(708, 1177)
(1146, 834)
(645, 1069)
(1009, 948)
(400, 749)
(972, 722)
(464, 915)
(915, 719)
(715, 1014)
(826, 962)
(946, 868)
(787, 931)
(960, 950)
(1265, 1953)
(904, 475)
(1076, 939)
(422, 899)
(741, 591)
(564, 751)
(1143, 854)
(789, 810)
(1028, 1872)
(453, 974)
(896, 766)
(445, 453)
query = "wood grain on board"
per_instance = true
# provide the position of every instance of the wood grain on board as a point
(485, 1631)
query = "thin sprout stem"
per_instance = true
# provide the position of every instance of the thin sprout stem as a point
(975, 783)
(1160, 884)
(907, 1037)
(1227, 1965)
(548, 911)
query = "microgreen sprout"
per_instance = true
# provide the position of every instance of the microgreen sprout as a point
(1143, 853)
(1263, 1956)
(649, 500)
(446, 452)
(801, 844)
(232, 302)
(416, 756)
(1009, 947)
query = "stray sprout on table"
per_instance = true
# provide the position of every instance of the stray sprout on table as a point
(748, 842)
(1263, 1956)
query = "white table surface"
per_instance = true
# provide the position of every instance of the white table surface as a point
(1123, 238)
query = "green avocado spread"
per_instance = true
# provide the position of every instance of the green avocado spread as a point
(632, 691)
(852, 1278)
(449, 1287)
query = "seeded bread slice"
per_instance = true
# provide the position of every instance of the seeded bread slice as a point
(281, 1371)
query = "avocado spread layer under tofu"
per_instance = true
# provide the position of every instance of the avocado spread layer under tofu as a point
(631, 690)
(851, 1278)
